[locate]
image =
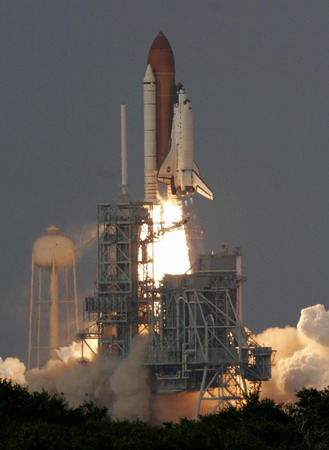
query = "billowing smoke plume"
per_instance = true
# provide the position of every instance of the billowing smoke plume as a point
(314, 324)
(302, 357)
(130, 385)
(12, 369)
(121, 386)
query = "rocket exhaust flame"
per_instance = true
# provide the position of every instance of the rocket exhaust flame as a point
(170, 253)
(171, 250)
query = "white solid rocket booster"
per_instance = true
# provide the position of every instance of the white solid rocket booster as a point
(150, 168)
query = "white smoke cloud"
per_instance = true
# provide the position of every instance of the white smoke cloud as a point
(121, 386)
(302, 355)
(306, 367)
(74, 351)
(314, 324)
(78, 382)
(12, 369)
(302, 359)
(83, 237)
(130, 385)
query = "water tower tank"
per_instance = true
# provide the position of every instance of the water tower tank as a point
(53, 247)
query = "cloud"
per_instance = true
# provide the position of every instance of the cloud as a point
(302, 357)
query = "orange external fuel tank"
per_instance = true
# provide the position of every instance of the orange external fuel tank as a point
(161, 60)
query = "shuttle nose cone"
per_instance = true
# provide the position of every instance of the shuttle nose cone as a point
(160, 41)
(149, 76)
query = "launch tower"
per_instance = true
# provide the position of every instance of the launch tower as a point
(118, 309)
(196, 338)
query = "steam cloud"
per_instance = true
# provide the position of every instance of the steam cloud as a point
(12, 369)
(302, 354)
(302, 359)
(121, 386)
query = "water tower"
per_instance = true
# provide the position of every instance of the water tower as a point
(53, 320)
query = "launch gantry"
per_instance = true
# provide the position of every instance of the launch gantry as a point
(197, 340)
(194, 322)
(118, 309)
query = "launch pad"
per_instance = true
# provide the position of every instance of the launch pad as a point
(196, 340)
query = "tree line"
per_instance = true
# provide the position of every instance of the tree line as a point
(33, 420)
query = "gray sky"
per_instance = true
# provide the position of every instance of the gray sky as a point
(257, 75)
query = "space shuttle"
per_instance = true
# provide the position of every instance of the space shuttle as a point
(178, 168)
(168, 129)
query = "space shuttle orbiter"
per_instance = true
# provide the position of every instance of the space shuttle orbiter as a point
(178, 168)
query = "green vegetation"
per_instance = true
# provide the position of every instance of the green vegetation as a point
(41, 421)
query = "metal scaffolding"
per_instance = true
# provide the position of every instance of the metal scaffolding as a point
(198, 342)
(194, 321)
(118, 308)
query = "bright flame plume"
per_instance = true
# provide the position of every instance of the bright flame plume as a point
(170, 249)
(169, 253)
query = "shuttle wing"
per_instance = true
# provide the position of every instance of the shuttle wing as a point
(201, 187)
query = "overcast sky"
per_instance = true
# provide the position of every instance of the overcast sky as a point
(257, 75)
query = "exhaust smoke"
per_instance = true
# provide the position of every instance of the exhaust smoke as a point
(302, 355)
(123, 386)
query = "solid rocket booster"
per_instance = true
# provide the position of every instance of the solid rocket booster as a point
(150, 149)
(168, 128)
